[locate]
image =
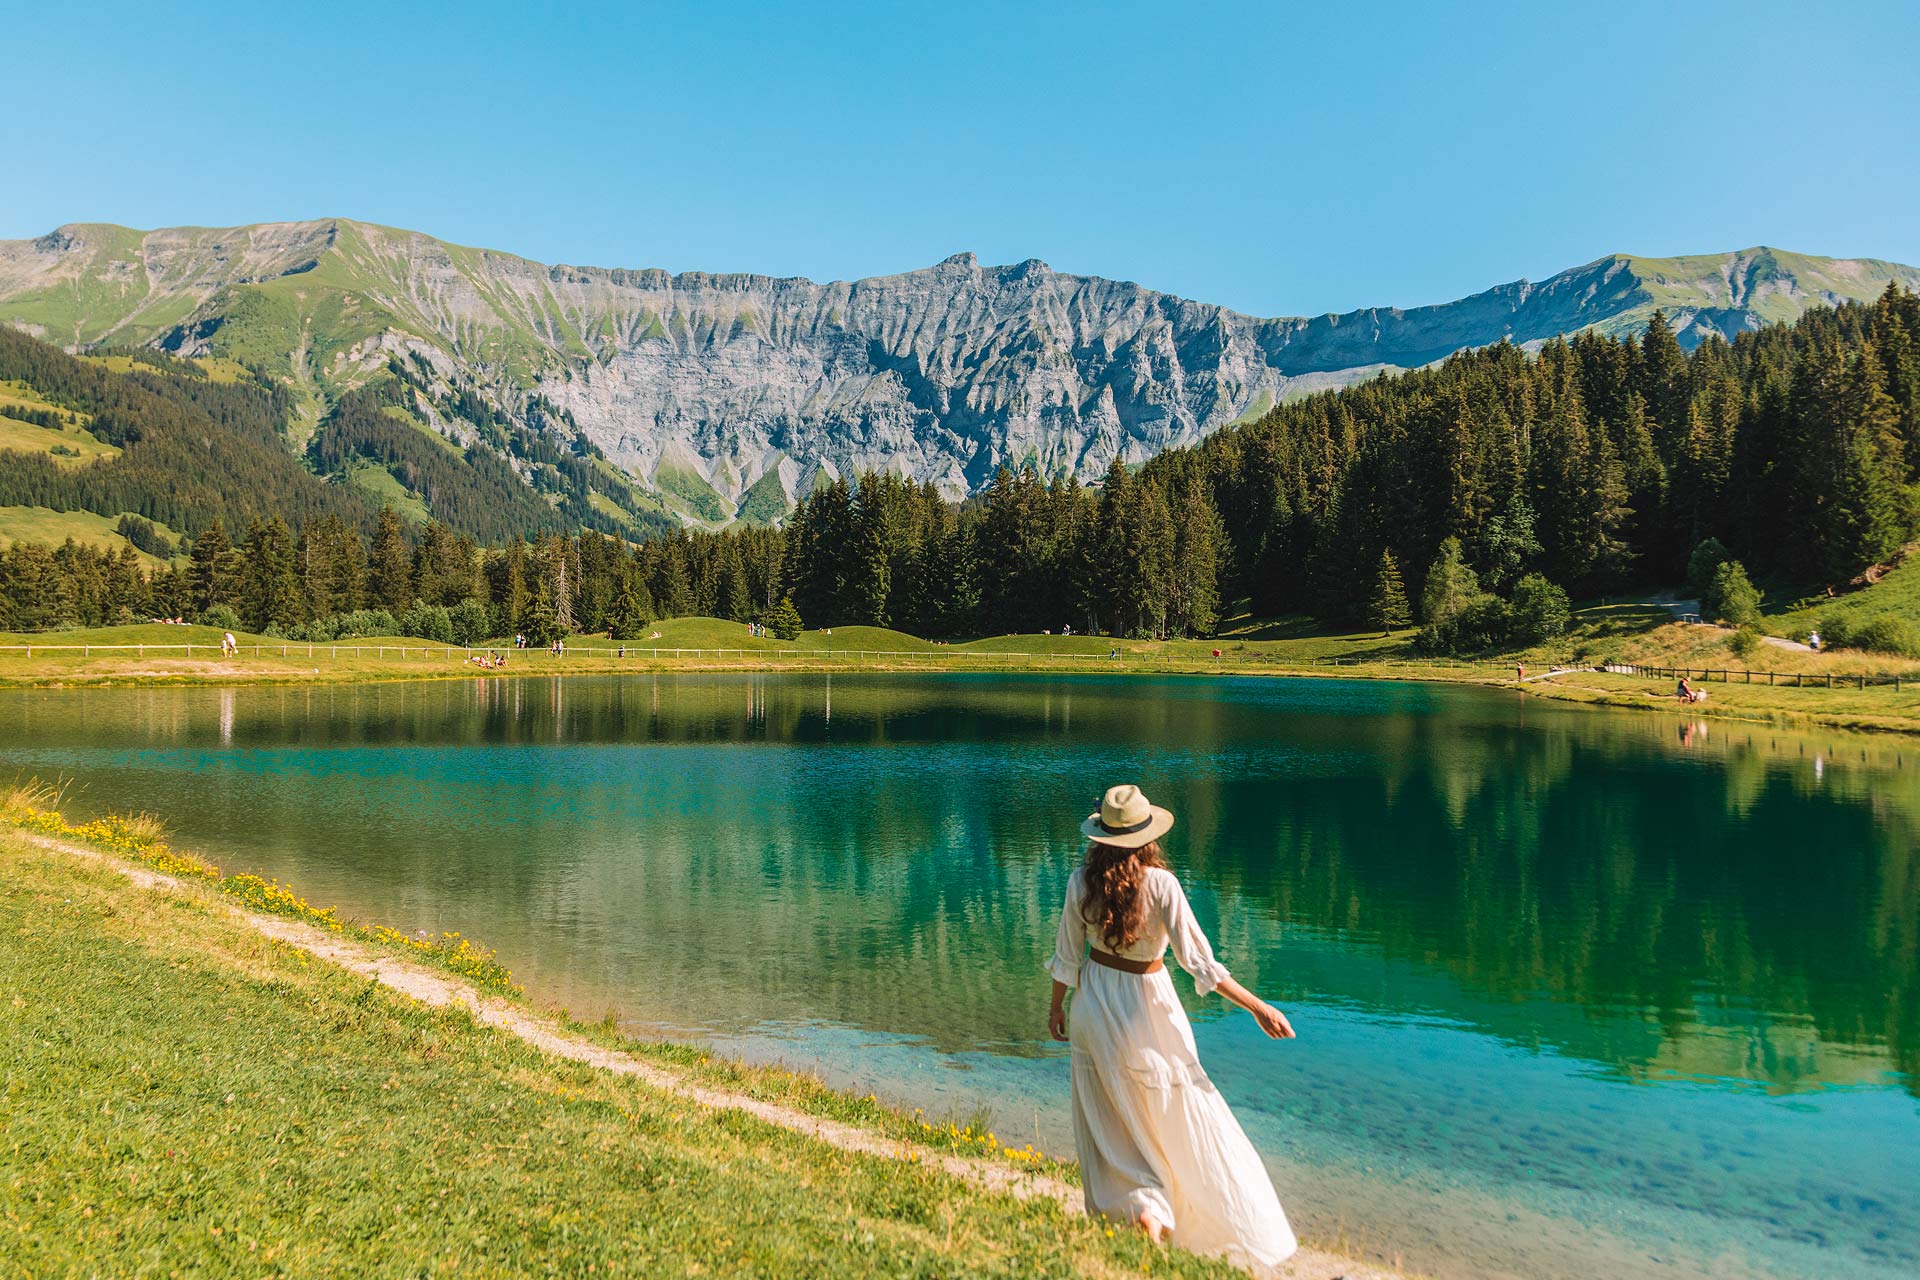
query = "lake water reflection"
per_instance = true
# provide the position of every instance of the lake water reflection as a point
(1576, 990)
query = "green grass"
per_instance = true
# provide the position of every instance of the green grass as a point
(1896, 594)
(1608, 633)
(185, 1096)
(382, 488)
(45, 525)
(765, 500)
(15, 392)
(405, 416)
(684, 488)
(72, 447)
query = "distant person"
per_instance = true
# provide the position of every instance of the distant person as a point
(1813, 641)
(229, 646)
(1157, 1144)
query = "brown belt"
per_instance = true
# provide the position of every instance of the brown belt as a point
(1123, 964)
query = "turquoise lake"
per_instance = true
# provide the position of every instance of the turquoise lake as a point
(1578, 992)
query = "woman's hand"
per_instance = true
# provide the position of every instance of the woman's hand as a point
(1272, 1021)
(1057, 1021)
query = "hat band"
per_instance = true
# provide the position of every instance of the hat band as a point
(1126, 831)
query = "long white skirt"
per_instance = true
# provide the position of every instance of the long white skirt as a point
(1153, 1134)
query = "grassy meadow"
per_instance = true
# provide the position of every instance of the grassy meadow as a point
(51, 528)
(188, 1096)
(1602, 635)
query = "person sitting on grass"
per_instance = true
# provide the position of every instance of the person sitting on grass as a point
(1687, 693)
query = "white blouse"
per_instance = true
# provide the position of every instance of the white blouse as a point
(1167, 920)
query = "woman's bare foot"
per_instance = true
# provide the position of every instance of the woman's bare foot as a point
(1153, 1228)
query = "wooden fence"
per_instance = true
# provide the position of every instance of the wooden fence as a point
(1785, 679)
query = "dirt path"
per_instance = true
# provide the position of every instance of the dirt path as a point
(440, 990)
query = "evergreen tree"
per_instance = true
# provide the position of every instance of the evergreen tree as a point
(1387, 604)
(213, 573)
(632, 610)
(271, 597)
(515, 597)
(784, 621)
(1198, 546)
(733, 601)
(1450, 587)
(1872, 513)
(1664, 384)
(672, 594)
(390, 575)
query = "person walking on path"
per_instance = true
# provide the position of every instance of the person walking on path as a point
(1157, 1144)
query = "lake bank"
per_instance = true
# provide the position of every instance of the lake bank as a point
(155, 656)
(219, 1041)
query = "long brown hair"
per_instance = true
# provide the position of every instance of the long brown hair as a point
(1113, 878)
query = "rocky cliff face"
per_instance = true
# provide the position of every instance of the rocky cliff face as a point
(726, 395)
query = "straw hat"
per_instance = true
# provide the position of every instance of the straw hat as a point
(1126, 820)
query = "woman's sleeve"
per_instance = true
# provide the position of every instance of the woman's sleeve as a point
(1190, 945)
(1070, 944)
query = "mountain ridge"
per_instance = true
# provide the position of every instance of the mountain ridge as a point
(708, 390)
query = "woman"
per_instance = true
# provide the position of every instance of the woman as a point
(1157, 1145)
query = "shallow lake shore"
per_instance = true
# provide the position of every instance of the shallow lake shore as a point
(224, 1022)
(271, 662)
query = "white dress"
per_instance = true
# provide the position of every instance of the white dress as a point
(1153, 1134)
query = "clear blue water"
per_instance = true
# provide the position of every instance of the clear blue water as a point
(1578, 992)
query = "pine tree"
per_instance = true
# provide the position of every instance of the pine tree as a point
(391, 570)
(1109, 582)
(1387, 606)
(271, 597)
(734, 603)
(1450, 587)
(1194, 582)
(515, 598)
(784, 621)
(1664, 385)
(1456, 470)
(213, 573)
(632, 610)
(672, 594)
(1872, 512)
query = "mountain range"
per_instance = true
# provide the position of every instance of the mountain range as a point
(721, 397)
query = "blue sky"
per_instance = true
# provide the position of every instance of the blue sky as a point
(1282, 158)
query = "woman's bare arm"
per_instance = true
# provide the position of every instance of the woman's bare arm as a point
(1271, 1020)
(1057, 1015)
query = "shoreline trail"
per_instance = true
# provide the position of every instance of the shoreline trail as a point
(441, 990)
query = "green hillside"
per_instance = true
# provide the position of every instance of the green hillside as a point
(695, 381)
